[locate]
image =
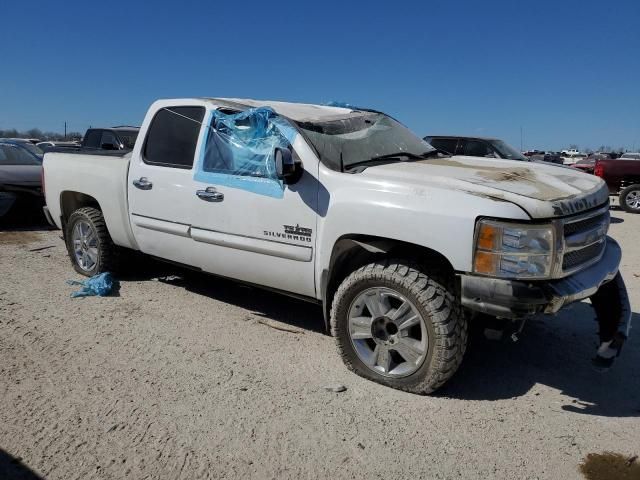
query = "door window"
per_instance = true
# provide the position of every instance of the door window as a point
(239, 150)
(173, 136)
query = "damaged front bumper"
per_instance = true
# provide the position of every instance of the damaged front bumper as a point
(520, 299)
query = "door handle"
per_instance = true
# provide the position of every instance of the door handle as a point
(210, 194)
(143, 184)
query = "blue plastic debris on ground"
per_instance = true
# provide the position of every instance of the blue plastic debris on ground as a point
(100, 285)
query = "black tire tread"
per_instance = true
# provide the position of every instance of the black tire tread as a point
(449, 322)
(108, 252)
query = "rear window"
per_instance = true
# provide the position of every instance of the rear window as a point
(173, 136)
(109, 141)
(128, 138)
(92, 138)
(14, 155)
(33, 148)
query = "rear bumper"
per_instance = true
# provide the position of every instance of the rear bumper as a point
(520, 299)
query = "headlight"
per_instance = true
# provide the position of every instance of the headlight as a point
(510, 250)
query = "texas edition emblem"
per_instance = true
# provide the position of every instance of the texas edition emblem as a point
(292, 232)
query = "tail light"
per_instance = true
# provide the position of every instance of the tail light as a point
(598, 171)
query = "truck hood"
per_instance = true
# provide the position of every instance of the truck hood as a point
(543, 191)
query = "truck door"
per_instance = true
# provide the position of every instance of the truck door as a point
(160, 183)
(248, 225)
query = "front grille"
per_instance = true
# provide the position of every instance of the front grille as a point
(585, 224)
(584, 240)
(583, 255)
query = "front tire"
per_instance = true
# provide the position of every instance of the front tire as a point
(89, 245)
(397, 326)
(630, 199)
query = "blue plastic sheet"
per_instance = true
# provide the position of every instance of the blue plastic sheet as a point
(239, 150)
(99, 285)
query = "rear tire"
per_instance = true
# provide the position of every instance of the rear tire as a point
(630, 199)
(416, 351)
(89, 244)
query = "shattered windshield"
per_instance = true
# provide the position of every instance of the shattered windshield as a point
(361, 137)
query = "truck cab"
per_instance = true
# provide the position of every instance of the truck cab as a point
(116, 138)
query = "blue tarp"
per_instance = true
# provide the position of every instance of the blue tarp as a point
(100, 285)
(239, 150)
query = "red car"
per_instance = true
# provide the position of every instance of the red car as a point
(623, 179)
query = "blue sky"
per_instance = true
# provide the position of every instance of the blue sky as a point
(567, 72)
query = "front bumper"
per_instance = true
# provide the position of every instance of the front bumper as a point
(521, 299)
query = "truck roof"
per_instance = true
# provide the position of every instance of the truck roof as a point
(299, 112)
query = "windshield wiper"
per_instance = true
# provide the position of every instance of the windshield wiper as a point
(398, 156)
(410, 155)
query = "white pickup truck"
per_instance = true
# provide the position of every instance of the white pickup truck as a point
(402, 245)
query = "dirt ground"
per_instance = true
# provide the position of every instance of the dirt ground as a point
(182, 377)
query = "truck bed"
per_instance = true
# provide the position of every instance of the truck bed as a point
(618, 173)
(88, 151)
(96, 174)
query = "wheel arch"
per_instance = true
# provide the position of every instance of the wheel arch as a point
(70, 201)
(352, 251)
(115, 214)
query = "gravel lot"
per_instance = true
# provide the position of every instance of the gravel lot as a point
(184, 378)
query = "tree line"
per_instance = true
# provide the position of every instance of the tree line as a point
(37, 133)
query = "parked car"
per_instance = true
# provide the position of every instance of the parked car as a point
(25, 144)
(115, 138)
(474, 147)
(571, 156)
(531, 153)
(549, 157)
(622, 176)
(570, 151)
(20, 176)
(588, 164)
(349, 209)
